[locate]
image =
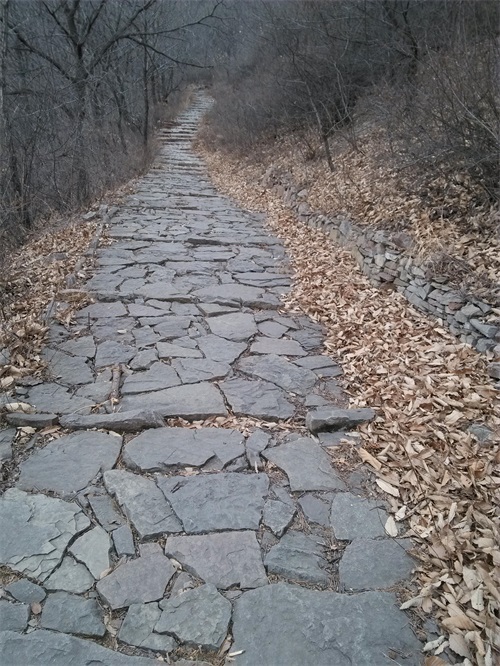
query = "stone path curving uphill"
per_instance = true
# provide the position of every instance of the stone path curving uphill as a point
(139, 539)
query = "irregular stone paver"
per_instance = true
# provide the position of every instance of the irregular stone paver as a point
(193, 401)
(46, 397)
(67, 369)
(326, 418)
(67, 465)
(306, 464)
(104, 510)
(83, 346)
(13, 617)
(6, 439)
(137, 581)
(72, 615)
(216, 502)
(279, 371)
(355, 517)
(277, 347)
(229, 294)
(92, 550)
(70, 576)
(138, 625)
(219, 349)
(223, 559)
(144, 504)
(277, 516)
(111, 353)
(25, 591)
(123, 541)
(287, 625)
(256, 398)
(315, 510)
(298, 557)
(159, 376)
(155, 450)
(57, 649)
(237, 326)
(129, 421)
(198, 617)
(35, 531)
(192, 370)
(255, 444)
(369, 564)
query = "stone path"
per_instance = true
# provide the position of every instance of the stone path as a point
(142, 539)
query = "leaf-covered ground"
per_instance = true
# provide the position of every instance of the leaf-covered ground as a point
(427, 389)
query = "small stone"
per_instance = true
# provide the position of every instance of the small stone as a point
(315, 510)
(25, 591)
(298, 557)
(355, 517)
(13, 617)
(198, 617)
(104, 510)
(123, 541)
(6, 438)
(138, 625)
(482, 432)
(71, 576)
(125, 421)
(223, 559)
(182, 583)
(72, 615)
(494, 370)
(306, 464)
(92, 550)
(68, 464)
(277, 516)
(255, 444)
(337, 419)
(369, 564)
(136, 581)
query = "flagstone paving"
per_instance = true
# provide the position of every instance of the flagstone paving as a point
(129, 538)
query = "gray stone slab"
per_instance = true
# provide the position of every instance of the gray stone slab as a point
(236, 326)
(13, 617)
(82, 346)
(111, 352)
(138, 625)
(25, 591)
(144, 359)
(68, 464)
(324, 629)
(315, 510)
(170, 350)
(369, 564)
(92, 550)
(123, 541)
(272, 329)
(98, 391)
(161, 291)
(116, 330)
(130, 420)
(72, 615)
(256, 398)
(137, 581)
(328, 418)
(354, 517)
(143, 503)
(277, 516)
(213, 309)
(57, 649)
(103, 310)
(198, 617)
(67, 369)
(6, 439)
(137, 310)
(104, 510)
(159, 376)
(156, 450)
(280, 347)
(298, 557)
(223, 559)
(306, 464)
(219, 349)
(215, 502)
(20, 419)
(36, 530)
(51, 397)
(229, 294)
(255, 444)
(279, 371)
(193, 401)
(171, 326)
(70, 576)
(192, 370)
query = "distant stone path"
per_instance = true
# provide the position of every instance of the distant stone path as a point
(167, 540)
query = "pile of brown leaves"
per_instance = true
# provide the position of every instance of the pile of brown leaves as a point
(427, 388)
(34, 278)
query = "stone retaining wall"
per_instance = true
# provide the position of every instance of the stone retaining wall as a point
(385, 258)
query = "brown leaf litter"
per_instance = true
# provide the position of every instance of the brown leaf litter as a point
(427, 388)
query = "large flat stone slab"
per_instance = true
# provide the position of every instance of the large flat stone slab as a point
(193, 401)
(72, 615)
(323, 629)
(256, 398)
(215, 502)
(144, 504)
(236, 326)
(35, 531)
(156, 450)
(279, 371)
(138, 628)
(13, 617)
(298, 557)
(223, 559)
(198, 617)
(193, 370)
(354, 517)
(50, 397)
(67, 465)
(306, 464)
(57, 649)
(70, 576)
(159, 376)
(67, 369)
(92, 549)
(369, 564)
(229, 294)
(219, 349)
(137, 581)
(280, 347)
(126, 421)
